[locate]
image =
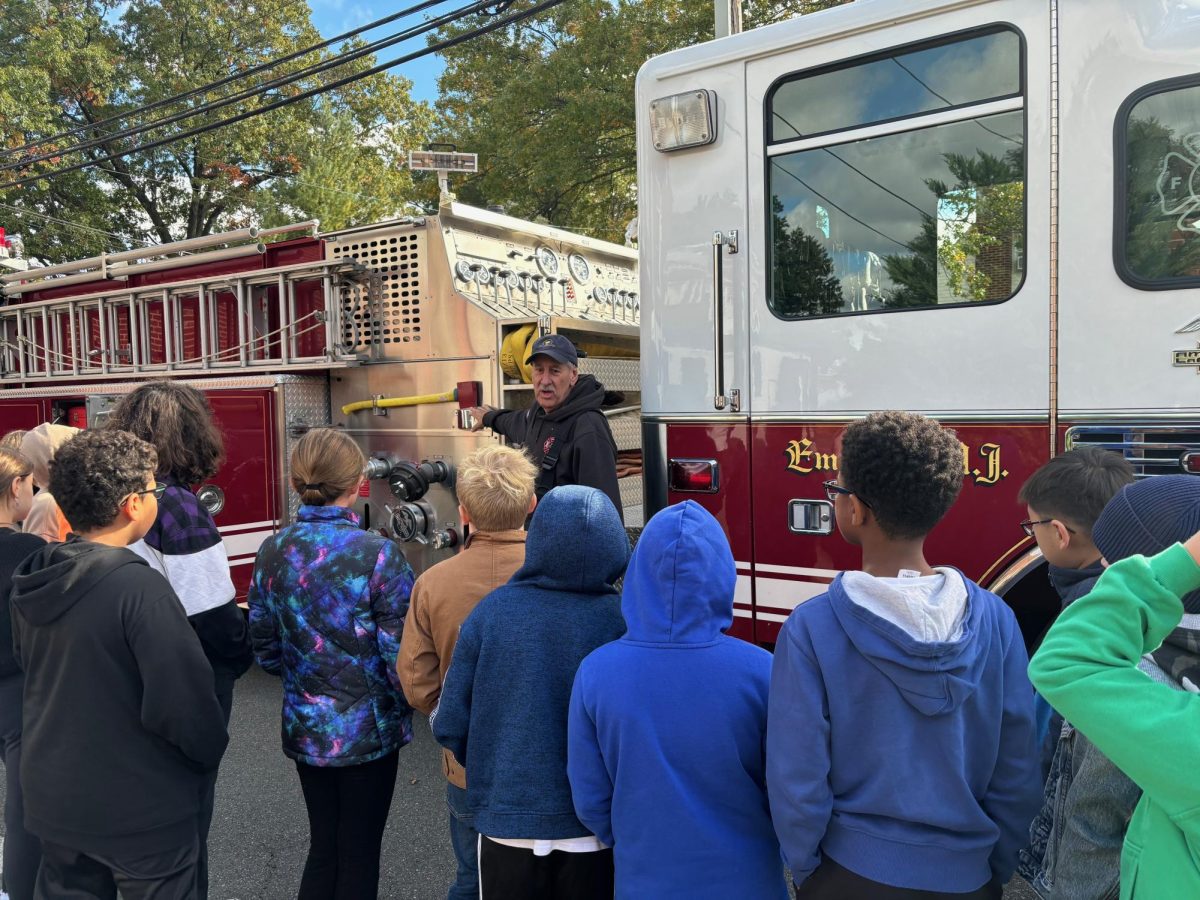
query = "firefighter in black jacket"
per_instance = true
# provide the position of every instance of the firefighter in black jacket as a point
(565, 434)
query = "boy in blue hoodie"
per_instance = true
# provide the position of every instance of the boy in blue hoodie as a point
(901, 757)
(503, 708)
(667, 725)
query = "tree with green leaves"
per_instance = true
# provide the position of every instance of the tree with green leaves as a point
(70, 64)
(803, 281)
(971, 244)
(549, 106)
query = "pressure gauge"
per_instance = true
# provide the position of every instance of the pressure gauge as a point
(581, 270)
(547, 262)
(483, 276)
(535, 284)
(599, 295)
(513, 281)
(462, 269)
(523, 281)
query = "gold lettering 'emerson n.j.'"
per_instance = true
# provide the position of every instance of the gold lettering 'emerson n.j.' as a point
(982, 467)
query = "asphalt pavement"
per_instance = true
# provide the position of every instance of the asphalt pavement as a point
(259, 833)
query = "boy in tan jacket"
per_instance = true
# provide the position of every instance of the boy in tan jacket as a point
(495, 493)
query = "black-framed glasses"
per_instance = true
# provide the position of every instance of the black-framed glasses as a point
(158, 490)
(832, 489)
(1028, 525)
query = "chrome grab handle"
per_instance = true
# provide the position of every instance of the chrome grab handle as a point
(719, 240)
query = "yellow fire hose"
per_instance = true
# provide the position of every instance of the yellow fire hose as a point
(393, 402)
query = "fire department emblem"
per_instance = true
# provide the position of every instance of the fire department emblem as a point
(546, 446)
(1179, 184)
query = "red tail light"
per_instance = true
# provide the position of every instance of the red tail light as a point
(694, 476)
(1190, 463)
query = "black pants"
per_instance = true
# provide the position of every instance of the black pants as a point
(513, 873)
(208, 794)
(22, 850)
(833, 882)
(347, 812)
(72, 875)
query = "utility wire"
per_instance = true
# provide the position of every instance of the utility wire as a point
(259, 89)
(29, 212)
(485, 28)
(207, 88)
(950, 103)
(839, 209)
(855, 168)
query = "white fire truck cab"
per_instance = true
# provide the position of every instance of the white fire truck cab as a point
(987, 212)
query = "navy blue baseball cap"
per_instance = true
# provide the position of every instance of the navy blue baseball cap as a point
(556, 347)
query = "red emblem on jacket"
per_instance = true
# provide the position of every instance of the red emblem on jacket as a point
(546, 446)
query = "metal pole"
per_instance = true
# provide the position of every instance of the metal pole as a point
(729, 17)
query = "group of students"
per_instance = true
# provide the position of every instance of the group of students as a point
(602, 740)
(116, 667)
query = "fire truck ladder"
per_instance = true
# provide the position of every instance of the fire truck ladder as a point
(283, 318)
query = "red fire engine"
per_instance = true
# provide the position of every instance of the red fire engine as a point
(985, 211)
(382, 330)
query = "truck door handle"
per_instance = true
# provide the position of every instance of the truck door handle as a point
(719, 240)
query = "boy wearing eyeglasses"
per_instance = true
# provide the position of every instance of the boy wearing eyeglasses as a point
(120, 720)
(901, 754)
(1075, 842)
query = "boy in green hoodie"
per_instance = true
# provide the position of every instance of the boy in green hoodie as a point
(1087, 667)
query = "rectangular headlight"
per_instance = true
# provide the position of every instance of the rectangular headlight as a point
(683, 120)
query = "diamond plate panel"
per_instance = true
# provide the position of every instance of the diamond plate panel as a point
(631, 492)
(306, 404)
(614, 374)
(627, 430)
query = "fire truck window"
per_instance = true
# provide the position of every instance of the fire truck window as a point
(913, 219)
(903, 83)
(1159, 239)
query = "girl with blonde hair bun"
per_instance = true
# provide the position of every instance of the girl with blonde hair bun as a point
(22, 851)
(327, 606)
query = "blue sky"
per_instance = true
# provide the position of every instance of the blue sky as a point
(333, 17)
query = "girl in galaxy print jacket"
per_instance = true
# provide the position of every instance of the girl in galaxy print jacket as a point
(327, 605)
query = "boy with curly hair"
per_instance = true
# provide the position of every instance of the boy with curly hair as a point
(121, 722)
(901, 758)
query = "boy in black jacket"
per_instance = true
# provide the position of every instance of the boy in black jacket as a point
(120, 720)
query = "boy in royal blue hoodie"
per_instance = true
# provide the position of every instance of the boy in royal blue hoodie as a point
(901, 757)
(503, 708)
(667, 727)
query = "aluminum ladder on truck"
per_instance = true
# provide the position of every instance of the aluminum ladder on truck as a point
(286, 317)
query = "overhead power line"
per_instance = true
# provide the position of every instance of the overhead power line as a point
(75, 225)
(256, 90)
(237, 76)
(486, 28)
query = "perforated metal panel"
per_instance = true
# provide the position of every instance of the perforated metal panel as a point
(391, 314)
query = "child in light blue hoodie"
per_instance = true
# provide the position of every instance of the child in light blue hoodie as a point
(901, 757)
(667, 725)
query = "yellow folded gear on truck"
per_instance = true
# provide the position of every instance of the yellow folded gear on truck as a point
(514, 350)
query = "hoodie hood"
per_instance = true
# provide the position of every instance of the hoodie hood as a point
(587, 394)
(40, 445)
(934, 677)
(679, 585)
(50, 581)
(1071, 584)
(576, 543)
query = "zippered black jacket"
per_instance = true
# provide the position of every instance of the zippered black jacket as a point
(120, 718)
(570, 445)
